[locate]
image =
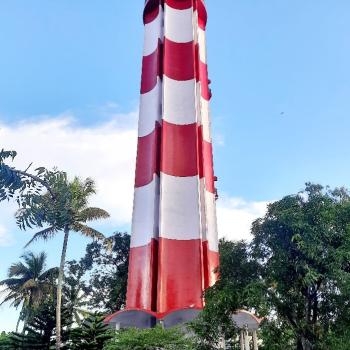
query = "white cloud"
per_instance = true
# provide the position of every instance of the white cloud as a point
(235, 217)
(106, 153)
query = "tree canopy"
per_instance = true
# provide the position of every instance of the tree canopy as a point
(150, 339)
(295, 273)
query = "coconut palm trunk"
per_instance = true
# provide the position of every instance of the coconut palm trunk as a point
(59, 290)
(17, 325)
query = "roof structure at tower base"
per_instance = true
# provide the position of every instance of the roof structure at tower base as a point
(147, 319)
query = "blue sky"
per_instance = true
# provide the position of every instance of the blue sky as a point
(280, 77)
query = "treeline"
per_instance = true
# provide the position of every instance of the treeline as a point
(294, 273)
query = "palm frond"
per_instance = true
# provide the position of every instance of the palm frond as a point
(90, 214)
(14, 298)
(29, 258)
(43, 234)
(84, 312)
(88, 231)
(12, 283)
(89, 187)
(28, 283)
(17, 269)
(41, 260)
(51, 273)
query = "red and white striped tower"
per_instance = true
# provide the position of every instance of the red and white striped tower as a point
(174, 244)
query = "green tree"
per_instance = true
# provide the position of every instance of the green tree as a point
(276, 334)
(68, 212)
(108, 272)
(21, 185)
(5, 342)
(39, 333)
(338, 339)
(92, 334)
(98, 280)
(303, 248)
(295, 273)
(28, 284)
(150, 339)
(236, 289)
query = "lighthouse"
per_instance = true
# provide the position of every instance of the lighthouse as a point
(174, 239)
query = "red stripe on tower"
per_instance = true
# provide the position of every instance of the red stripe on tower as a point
(151, 70)
(151, 11)
(211, 263)
(180, 275)
(208, 170)
(179, 60)
(180, 4)
(142, 282)
(148, 157)
(180, 146)
(202, 15)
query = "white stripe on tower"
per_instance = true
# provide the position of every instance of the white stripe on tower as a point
(151, 101)
(150, 109)
(145, 219)
(179, 105)
(202, 45)
(153, 32)
(178, 24)
(180, 219)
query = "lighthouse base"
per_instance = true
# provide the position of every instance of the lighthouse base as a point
(147, 319)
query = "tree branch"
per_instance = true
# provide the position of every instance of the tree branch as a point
(37, 179)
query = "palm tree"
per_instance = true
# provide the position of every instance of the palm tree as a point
(91, 334)
(76, 304)
(65, 212)
(28, 284)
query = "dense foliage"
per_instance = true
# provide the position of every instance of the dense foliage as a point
(303, 246)
(150, 339)
(108, 272)
(39, 333)
(294, 273)
(230, 293)
(24, 186)
(5, 341)
(92, 334)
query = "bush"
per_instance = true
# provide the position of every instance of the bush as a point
(4, 341)
(150, 339)
(91, 335)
